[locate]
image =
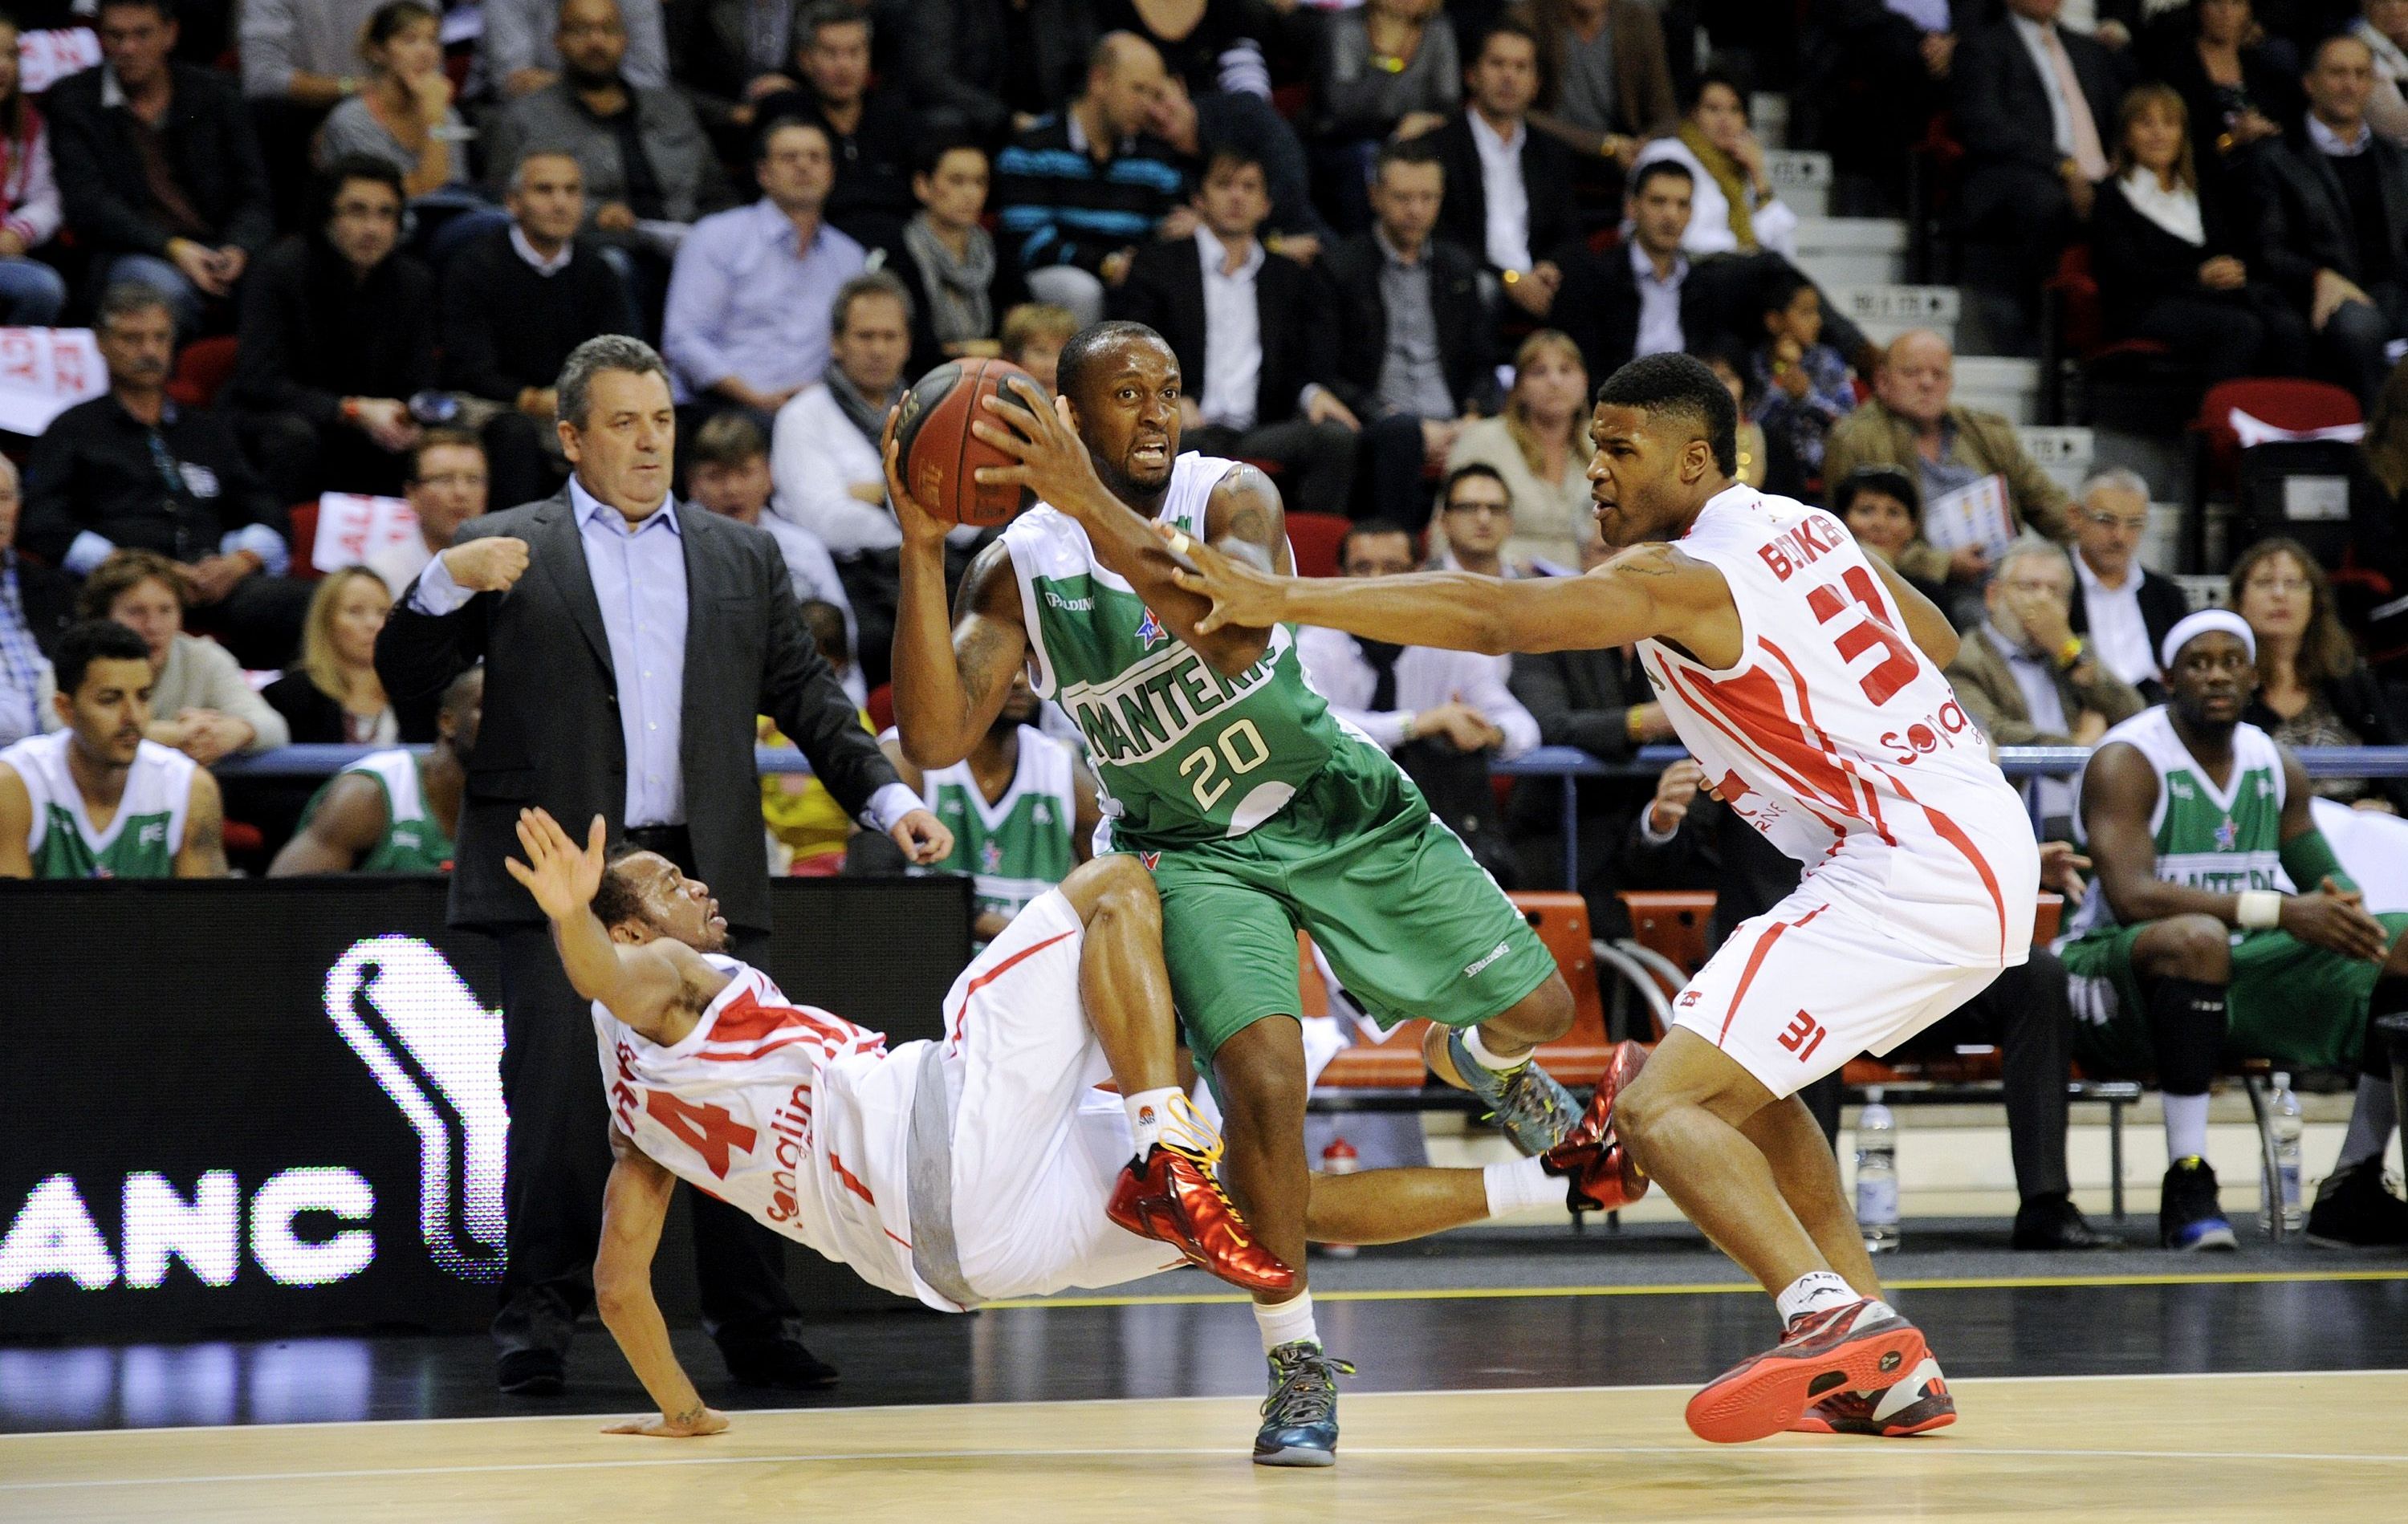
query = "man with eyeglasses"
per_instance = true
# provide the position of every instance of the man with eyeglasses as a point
(446, 488)
(2121, 606)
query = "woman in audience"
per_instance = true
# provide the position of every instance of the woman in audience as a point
(2312, 689)
(403, 115)
(2173, 258)
(1212, 44)
(961, 283)
(1389, 68)
(1732, 206)
(2383, 26)
(1540, 446)
(200, 702)
(31, 293)
(1883, 508)
(334, 695)
(2236, 94)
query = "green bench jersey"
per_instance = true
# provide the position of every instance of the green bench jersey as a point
(142, 838)
(413, 840)
(1183, 754)
(1021, 846)
(2223, 842)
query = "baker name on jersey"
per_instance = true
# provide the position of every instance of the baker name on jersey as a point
(1809, 540)
(1150, 707)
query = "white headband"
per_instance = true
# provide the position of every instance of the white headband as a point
(2195, 625)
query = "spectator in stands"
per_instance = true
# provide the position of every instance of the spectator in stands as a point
(332, 697)
(747, 323)
(448, 485)
(1883, 509)
(393, 811)
(1913, 423)
(1035, 814)
(2176, 971)
(728, 473)
(1195, 126)
(161, 174)
(522, 52)
(36, 603)
(401, 113)
(200, 703)
(132, 468)
(1646, 297)
(1249, 333)
(1078, 191)
(2032, 104)
(1411, 352)
(2175, 266)
(2313, 688)
(31, 293)
(1606, 81)
(1733, 207)
(1388, 69)
(337, 337)
(2124, 609)
(994, 67)
(1218, 48)
(1753, 451)
(1539, 447)
(2335, 232)
(2027, 679)
(2235, 90)
(869, 131)
(1804, 386)
(650, 171)
(809, 833)
(96, 800)
(1032, 337)
(2383, 26)
(1509, 189)
(299, 58)
(515, 301)
(961, 281)
(1475, 518)
(1873, 75)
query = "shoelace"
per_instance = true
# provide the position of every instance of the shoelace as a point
(1185, 1133)
(1308, 1388)
(1518, 1091)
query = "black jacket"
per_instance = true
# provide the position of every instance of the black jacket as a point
(960, 68)
(1546, 172)
(210, 149)
(312, 335)
(48, 596)
(505, 327)
(2357, 701)
(1165, 291)
(1598, 307)
(2002, 114)
(94, 468)
(872, 195)
(551, 732)
(2137, 263)
(2305, 221)
(1350, 292)
(2162, 607)
(314, 716)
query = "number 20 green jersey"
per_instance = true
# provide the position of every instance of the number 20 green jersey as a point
(1181, 753)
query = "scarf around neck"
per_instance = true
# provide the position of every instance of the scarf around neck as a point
(1729, 178)
(865, 415)
(958, 306)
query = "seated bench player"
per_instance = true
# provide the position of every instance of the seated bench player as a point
(390, 811)
(982, 1166)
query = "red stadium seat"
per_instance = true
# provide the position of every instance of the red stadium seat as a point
(1315, 538)
(304, 541)
(881, 705)
(2285, 402)
(202, 371)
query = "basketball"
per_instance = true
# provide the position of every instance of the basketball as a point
(938, 454)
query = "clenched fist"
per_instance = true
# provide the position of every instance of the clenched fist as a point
(490, 564)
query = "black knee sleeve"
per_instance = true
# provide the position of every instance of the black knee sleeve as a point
(2390, 997)
(2186, 1021)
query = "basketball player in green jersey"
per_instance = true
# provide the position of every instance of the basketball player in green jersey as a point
(1225, 772)
(95, 800)
(2186, 949)
(390, 811)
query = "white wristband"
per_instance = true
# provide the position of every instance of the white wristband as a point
(2260, 908)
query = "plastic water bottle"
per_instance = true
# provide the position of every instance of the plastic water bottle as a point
(2282, 1109)
(1877, 1174)
(1340, 1158)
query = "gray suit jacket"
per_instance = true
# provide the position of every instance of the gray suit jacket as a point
(550, 733)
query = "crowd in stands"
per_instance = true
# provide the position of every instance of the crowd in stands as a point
(345, 246)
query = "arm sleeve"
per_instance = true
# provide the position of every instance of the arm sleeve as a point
(2308, 858)
(810, 485)
(2038, 501)
(509, 37)
(472, 361)
(36, 214)
(272, 338)
(646, 64)
(1539, 683)
(436, 592)
(224, 687)
(266, 36)
(1991, 718)
(275, 556)
(697, 300)
(1500, 708)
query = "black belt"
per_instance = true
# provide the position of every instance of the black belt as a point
(674, 842)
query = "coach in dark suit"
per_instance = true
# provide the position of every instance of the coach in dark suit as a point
(629, 641)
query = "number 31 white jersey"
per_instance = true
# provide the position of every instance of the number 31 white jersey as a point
(1836, 737)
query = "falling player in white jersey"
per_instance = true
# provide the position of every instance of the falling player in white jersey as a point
(960, 1170)
(1806, 678)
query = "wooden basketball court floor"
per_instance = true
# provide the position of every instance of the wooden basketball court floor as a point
(2321, 1445)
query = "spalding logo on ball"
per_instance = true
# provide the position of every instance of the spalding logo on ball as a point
(939, 454)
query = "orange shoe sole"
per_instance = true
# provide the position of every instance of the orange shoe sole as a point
(1766, 1395)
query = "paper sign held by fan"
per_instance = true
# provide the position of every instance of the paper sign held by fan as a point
(351, 528)
(1976, 514)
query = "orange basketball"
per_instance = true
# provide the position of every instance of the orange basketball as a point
(938, 453)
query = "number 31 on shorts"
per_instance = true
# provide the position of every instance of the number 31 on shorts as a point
(1241, 745)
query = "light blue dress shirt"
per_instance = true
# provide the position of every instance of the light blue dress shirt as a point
(745, 301)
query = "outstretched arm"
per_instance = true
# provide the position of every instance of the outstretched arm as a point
(633, 1206)
(638, 984)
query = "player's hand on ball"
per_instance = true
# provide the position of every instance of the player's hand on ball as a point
(923, 838)
(920, 527)
(1240, 596)
(707, 1420)
(490, 564)
(1053, 460)
(562, 876)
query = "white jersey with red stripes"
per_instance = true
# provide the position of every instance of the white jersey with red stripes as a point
(1835, 736)
(788, 1113)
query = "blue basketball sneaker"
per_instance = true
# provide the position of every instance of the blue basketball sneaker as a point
(1300, 1415)
(2189, 1216)
(1525, 1100)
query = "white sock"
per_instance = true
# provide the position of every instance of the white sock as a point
(2186, 1126)
(1287, 1322)
(1813, 1293)
(2375, 1112)
(1481, 1056)
(1146, 1111)
(1520, 1183)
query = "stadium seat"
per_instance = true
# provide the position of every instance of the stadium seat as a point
(1314, 537)
(304, 518)
(202, 371)
(2215, 450)
(2131, 384)
(881, 704)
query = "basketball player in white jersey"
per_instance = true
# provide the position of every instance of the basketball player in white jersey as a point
(980, 1166)
(1806, 678)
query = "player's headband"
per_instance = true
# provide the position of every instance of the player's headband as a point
(2196, 625)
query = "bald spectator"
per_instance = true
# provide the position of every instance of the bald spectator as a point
(521, 54)
(1913, 423)
(1079, 190)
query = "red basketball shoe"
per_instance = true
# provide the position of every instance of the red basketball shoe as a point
(1172, 1197)
(1601, 1172)
(1862, 1345)
(1915, 1405)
